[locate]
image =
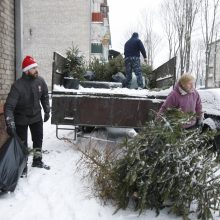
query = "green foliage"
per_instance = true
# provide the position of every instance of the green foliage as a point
(149, 76)
(146, 69)
(75, 63)
(105, 71)
(116, 65)
(164, 164)
(75, 67)
(99, 68)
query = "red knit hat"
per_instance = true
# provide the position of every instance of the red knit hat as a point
(28, 63)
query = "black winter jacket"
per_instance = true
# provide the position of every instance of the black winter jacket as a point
(133, 47)
(23, 104)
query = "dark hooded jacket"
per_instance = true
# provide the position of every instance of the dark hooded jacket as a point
(134, 46)
(23, 104)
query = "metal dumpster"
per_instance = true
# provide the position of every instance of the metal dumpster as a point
(101, 110)
(97, 110)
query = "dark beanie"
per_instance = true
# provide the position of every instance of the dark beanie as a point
(135, 34)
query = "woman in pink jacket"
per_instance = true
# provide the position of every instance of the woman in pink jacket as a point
(185, 97)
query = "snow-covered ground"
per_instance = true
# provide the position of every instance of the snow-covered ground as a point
(60, 193)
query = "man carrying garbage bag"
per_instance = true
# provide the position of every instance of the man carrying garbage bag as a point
(23, 109)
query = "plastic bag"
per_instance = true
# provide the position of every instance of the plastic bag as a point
(13, 159)
(89, 75)
(119, 77)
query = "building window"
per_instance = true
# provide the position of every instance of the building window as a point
(104, 10)
(96, 48)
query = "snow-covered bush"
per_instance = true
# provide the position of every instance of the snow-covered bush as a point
(105, 70)
(150, 76)
(165, 165)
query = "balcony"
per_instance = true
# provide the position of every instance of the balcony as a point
(97, 17)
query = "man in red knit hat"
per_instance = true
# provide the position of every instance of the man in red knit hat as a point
(23, 109)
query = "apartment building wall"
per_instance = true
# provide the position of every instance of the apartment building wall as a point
(55, 25)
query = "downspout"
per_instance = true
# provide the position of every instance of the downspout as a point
(90, 28)
(18, 37)
(215, 62)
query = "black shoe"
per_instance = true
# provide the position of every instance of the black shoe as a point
(40, 164)
(2, 192)
(24, 173)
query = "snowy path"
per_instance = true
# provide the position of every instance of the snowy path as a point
(59, 194)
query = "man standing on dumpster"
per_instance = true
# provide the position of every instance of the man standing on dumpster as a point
(23, 109)
(132, 50)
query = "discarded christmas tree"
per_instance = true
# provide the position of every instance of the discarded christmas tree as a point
(165, 165)
(74, 65)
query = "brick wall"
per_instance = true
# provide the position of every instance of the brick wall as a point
(7, 57)
(3, 134)
(7, 47)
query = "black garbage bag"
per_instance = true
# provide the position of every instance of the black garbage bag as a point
(89, 75)
(13, 159)
(119, 77)
(70, 83)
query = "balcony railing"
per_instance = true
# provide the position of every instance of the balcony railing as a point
(97, 17)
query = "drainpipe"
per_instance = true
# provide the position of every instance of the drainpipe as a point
(18, 37)
(90, 27)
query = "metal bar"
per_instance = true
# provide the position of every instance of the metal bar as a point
(66, 129)
(100, 139)
(69, 118)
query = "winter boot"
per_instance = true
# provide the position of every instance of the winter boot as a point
(37, 159)
(37, 162)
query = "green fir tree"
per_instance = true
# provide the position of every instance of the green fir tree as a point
(164, 166)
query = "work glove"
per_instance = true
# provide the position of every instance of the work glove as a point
(11, 129)
(199, 122)
(46, 116)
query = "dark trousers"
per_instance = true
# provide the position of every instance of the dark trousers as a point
(36, 134)
(216, 142)
(133, 64)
